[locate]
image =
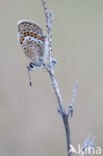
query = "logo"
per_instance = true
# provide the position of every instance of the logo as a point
(88, 150)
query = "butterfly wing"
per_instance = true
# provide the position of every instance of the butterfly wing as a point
(32, 40)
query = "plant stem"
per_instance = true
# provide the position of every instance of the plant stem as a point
(61, 107)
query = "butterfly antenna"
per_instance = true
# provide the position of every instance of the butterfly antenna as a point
(30, 83)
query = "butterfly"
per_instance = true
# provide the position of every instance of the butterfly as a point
(33, 42)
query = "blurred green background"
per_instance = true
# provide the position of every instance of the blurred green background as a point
(29, 122)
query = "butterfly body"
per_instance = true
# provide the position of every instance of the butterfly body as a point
(33, 41)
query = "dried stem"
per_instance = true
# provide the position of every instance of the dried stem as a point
(50, 69)
(61, 109)
(49, 22)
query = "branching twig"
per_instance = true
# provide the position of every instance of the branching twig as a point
(50, 69)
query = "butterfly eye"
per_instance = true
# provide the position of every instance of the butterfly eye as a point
(31, 66)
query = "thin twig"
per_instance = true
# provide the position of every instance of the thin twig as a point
(55, 86)
(71, 108)
(45, 10)
(49, 21)
(50, 69)
(61, 106)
